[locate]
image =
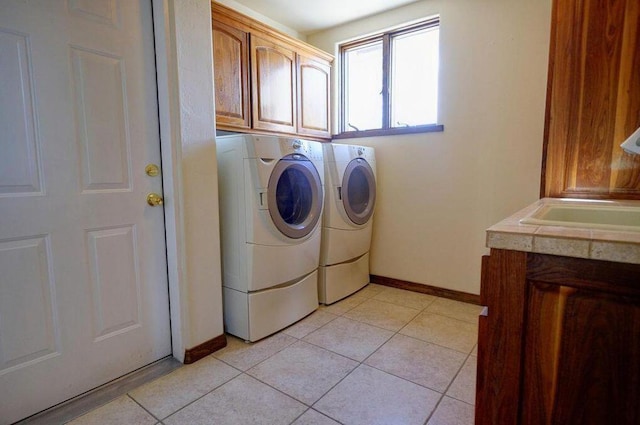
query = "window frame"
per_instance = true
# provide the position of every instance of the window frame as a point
(386, 38)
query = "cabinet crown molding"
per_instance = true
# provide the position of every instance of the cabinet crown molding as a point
(221, 12)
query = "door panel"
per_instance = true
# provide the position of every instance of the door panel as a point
(114, 280)
(20, 167)
(83, 288)
(100, 119)
(25, 266)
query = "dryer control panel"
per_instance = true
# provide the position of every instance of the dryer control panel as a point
(311, 150)
(346, 153)
(268, 147)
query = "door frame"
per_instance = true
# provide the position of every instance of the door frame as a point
(195, 287)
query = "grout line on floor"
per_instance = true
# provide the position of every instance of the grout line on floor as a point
(198, 398)
(143, 408)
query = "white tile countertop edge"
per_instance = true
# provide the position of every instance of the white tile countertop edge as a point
(596, 244)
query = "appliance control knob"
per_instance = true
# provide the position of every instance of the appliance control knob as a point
(297, 144)
(360, 151)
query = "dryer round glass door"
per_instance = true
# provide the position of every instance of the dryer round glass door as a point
(295, 196)
(359, 191)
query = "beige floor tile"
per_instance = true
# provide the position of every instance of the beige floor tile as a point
(345, 305)
(441, 330)
(452, 412)
(171, 392)
(474, 352)
(309, 324)
(303, 371)
(382, 314)
(244, 355)
(350, 338)
(456, 309)
(243, 400)
(464, 386)
(369, 397)
(371, 290)
(311, 417)
(426, 364)
(122, 410)
(405, 298)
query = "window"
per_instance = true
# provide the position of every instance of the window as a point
(390, 82)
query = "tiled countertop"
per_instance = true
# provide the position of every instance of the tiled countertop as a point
(597, 244)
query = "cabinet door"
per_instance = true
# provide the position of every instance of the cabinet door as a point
(500, 338)
(314, 87)
(231, 78)
(582, 342)
(593, 100)
(273, 85)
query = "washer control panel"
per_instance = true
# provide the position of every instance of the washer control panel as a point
(311, 150)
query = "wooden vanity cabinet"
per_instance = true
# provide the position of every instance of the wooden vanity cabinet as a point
(266, 81)
(560, 343)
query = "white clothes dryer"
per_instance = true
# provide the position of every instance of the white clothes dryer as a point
(350, 179)
(271, 192)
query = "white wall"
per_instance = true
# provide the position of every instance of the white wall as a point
(187, 125)
(438, 192)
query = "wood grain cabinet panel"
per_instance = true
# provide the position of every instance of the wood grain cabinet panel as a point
(231, 74)
(593, 100)
(267, 81)
(581, 357)
(561, 342)
(273, 80)
(314, 88)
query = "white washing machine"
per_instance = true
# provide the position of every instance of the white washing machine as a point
(350, 181)
(271, 193)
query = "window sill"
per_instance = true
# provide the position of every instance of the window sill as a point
(432, 128)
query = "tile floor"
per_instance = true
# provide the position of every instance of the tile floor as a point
(381, 356)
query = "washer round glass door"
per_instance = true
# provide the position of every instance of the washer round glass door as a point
(359, 191)
(295, 196)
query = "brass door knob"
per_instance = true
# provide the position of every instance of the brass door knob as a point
(154, 199)
(152, 170)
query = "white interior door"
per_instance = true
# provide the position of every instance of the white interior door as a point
(83, 277)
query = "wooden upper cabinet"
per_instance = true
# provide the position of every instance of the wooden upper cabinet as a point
(593, 100)
(267, 81)
(314, 87)
(231, 76)
(273, 85)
